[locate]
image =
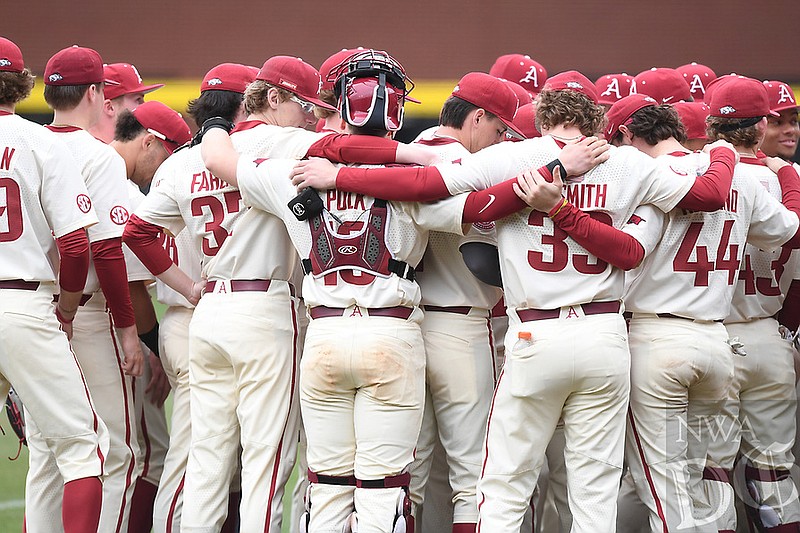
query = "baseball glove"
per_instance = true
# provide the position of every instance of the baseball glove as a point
(16, 418)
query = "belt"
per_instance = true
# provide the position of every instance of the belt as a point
(245, 285)
(670, 315)
(19, 284)
(592, 308)
(458, 309)
(322, 311)
(84, 298)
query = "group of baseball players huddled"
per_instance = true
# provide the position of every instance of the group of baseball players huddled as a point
(591, 279)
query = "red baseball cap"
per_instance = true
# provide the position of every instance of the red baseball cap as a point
(490, 93)
(523, 96)
(693, 116)
(165, 123)
(740, 97)
(10, 56)
(666, 85)
(781, 96)
(697, 77)
(294, 75)
(520, 69)
(622, 110)
(123, 78)
(572, 80)
(612, 87)
(74, 66)
(525, 121)
(232, 77)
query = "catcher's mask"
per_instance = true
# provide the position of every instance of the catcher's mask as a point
(371, 87)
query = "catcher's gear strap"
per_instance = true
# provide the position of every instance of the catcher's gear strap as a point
(365, 250)
(313, 477)
(389, 482)
(765, 475)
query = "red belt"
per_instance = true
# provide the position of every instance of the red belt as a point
(458, 309)
(592, 308)
(19, 284)
(246, 285)
(84, 298)
(322, 311)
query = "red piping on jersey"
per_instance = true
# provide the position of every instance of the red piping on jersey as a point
(486, 447)
(143, 238)
(4, 113)
(145, 436)
(62, 129)
(73, 248)
(174, 503)
(91, 406)
(109, 264)
(678, 153)
(246, 125)
(437, 141)
(132, 464)
(492, 352)
(710, 191)
(647, 473)
(752, 160)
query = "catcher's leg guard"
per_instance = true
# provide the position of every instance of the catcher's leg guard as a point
(764, 517)
(403, 521)
(329, 490)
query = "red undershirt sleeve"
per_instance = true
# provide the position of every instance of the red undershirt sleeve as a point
(109, 263)
(601, 240)
(74, 251)
(366, 149)
(404, 184)
(790, 188)
(494, 203)
(710, 191)
(144, 240)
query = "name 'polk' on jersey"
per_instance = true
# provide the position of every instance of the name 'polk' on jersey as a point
(538, 260)
(265, 185)
(442, 275)
(765, 274)
(41, 195)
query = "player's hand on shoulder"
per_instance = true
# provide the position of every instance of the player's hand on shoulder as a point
(537, 192)
(775, 163)
(317, 173)
(581, 157)
(720, 143)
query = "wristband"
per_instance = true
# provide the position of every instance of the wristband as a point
(551, 214)
(61, 318)
(551, 167)
(209, 124)
(150, 339)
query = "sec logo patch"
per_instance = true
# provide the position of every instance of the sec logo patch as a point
(84, 203)
(119, 215)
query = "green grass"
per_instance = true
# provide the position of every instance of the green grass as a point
(12, 480)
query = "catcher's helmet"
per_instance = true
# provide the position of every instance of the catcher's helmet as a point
(371, 87)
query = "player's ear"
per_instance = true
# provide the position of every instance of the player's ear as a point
(108, 107)
(478, 115)
(273, 97)
(147, 140)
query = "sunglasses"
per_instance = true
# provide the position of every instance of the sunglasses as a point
(307, 107)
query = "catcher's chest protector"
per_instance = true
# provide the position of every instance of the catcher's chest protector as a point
(364, 249)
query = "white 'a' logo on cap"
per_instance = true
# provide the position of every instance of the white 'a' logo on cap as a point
(55, 77)
(532, 76)
(785, 95)
(696, 84)
(727, 110)
(612, 87)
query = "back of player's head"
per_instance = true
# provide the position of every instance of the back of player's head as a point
(657, 123)
(570, 99)
(156, 118)
(737, 105)
(221, 92)
(69, 74)
(16, 81)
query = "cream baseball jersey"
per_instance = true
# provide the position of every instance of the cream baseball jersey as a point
(265, 185)
(538, 260)
(444, 278)
(103, 171)
(183, 253)
(693, 270)
(765, 273)
(42, 195)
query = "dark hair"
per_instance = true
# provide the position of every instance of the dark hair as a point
(454, 112)
(213, 103)
(730, 129)
(569, 108)
(127, 128)
(64, 97)
(15, 86)
(657, 123)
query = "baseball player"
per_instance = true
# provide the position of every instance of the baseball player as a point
(579, 336)
(105, 343)
(678, 298)
(144, 138)
(665, 85)
(123, 90)
(613, 87)
(521, 69)
(697, 77)
(460, 367)
(693, 116)
(361, 398)
(39, 227)
(764, 381)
